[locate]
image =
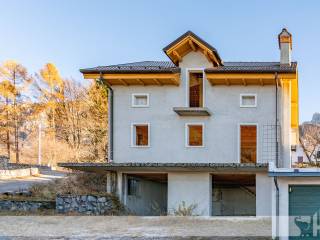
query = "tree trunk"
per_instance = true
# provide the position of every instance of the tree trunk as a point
(8, 129)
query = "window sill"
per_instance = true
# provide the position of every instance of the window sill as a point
(192, 111)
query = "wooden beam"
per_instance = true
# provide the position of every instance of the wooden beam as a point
(215, 59)
(177, 55)
(175, 81)
(261, 81)
(123, 82)
(244, 82)
(227, 81)
(140, 81)
(192, 45)
(157, 82)
(206, 54)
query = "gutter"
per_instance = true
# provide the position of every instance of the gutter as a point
(110, 118)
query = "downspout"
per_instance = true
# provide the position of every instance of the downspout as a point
(275, 179)
(110, 118)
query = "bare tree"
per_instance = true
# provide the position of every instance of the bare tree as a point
(310, 141)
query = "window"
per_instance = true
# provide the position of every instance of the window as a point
(133, 187)
(140, 100)
(194, 135)
(140, 135)
(195, 89)
(248, 143)
(248, 100)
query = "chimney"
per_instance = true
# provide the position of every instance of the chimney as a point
(285, 46)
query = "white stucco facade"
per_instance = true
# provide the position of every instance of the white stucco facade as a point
(167, 129)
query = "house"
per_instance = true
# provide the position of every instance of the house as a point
(200, 131)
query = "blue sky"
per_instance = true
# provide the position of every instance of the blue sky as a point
(84, 33)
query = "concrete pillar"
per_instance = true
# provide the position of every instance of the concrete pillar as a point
(191, 188)
(112, 182)
(263, 196)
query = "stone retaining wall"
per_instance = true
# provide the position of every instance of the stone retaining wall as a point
(86, 204)
(25, 206)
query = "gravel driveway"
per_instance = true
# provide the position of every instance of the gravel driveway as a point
(108, 227)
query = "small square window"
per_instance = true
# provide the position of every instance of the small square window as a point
(248, 100)
(140, 135)
(140, 100)
(194, 134)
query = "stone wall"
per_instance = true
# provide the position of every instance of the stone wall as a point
(25, 206)
(87, 204)
(19, 172)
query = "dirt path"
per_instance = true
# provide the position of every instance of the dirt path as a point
(9, 185)
(104, 227)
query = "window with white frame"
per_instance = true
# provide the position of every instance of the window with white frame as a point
(248, 100)
(140, 100)
(194, 134)
(140, 134)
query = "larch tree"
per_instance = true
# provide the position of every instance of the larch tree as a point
(19, 79)
(51, 86)
(7, 92)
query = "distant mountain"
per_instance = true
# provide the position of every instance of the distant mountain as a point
(316, 118)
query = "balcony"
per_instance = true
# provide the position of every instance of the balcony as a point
(192, 111)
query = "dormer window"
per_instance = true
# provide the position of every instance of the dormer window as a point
(195, 89)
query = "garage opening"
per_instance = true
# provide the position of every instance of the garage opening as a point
(146, 194)
(233, 195)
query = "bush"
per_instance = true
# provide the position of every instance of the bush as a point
(184, 210)
(76, 184)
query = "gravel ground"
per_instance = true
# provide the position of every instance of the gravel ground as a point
(106, 227)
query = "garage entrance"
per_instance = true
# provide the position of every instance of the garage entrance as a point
(234, 195)
(146, 194)
(304, 206)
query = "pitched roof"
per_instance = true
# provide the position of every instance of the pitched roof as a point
(253, 67)
(169, 67)
(196, 38)
(136, 67)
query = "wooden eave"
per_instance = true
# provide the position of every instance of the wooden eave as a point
(128, 79)
(246, 78)
(188, 44)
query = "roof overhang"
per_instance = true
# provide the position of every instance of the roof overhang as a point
(168, 167)
(187, 43)
(246, 78)
(127, 79)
